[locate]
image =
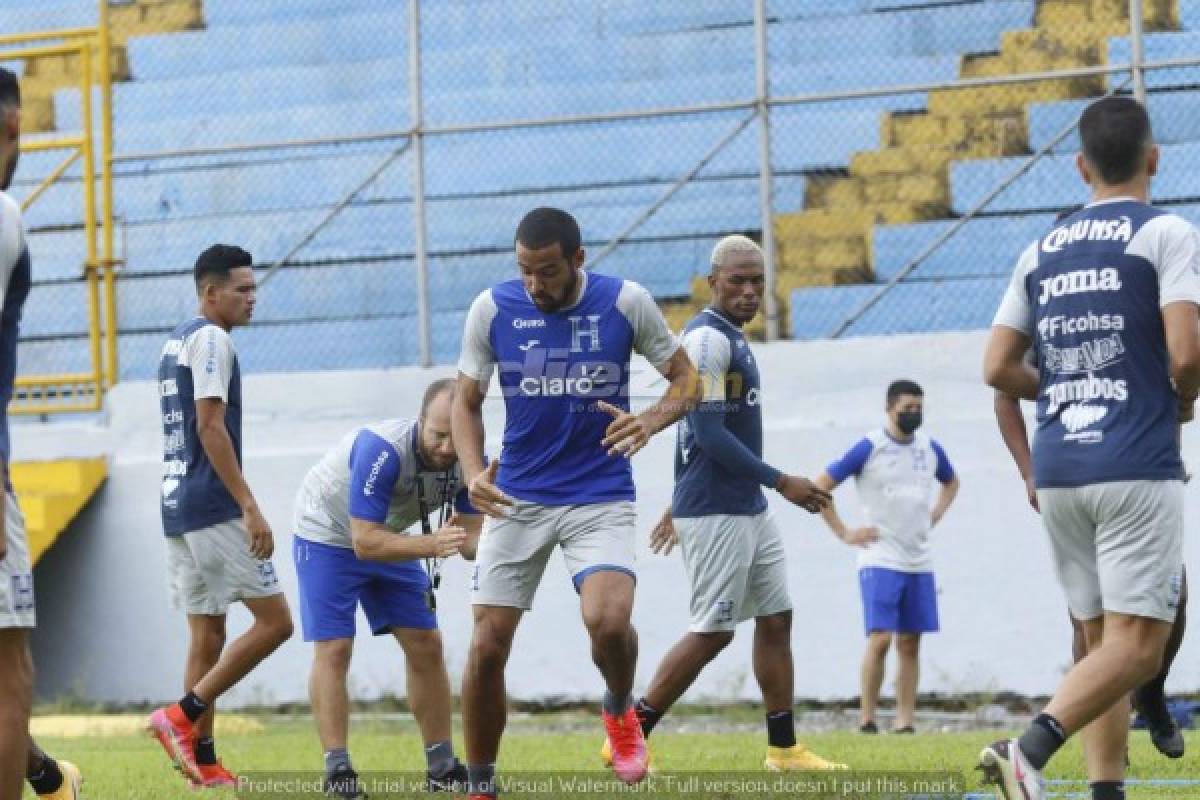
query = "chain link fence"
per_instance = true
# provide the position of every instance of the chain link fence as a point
(912, 149)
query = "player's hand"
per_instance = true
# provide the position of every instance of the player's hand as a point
(804, 493)
(448, 539)
(861, 537)
(664, 537)
(1187, 409)
(626, 434)
(485, 496)
(1031, 493)
(258, 532)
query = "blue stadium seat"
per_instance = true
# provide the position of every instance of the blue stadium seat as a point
(1161, 47)
(1054, 182)
(984, 246)
(918, 307)
(1175, 117)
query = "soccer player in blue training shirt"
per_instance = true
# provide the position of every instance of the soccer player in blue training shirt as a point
(19, 755)
(562, 340)
(1149, 699)
(219, 544)
(1108, 301)
(732, 549)
(350, 549)
(895, 468)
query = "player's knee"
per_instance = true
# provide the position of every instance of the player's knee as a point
(908, 645)
(608, 628)
(776, 629)
(423, 649)
(489, 650)
(1146, 663)
(879, 642)
(278, 627)
(335, 654)
(717, 640)
(16, 676)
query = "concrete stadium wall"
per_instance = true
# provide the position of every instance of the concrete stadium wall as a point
(106, 633)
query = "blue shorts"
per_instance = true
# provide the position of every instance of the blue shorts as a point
(333, 581)
(899, 602)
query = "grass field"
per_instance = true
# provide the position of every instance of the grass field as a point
(118, 763)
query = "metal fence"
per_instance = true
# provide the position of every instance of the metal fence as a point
(893, 156)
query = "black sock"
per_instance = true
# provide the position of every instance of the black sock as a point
(206, 750)
(1041, 740)
(193, 707)
(1108, 790)
(648, 715)
(781, 729)
(48, 779)
(481, 779)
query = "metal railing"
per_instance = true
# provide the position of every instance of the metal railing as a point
(75, 392)
(759, 104)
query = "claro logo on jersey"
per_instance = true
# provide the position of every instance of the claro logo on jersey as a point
(376, 468)
(581, 385)
(1079, 281)
(1088, 230)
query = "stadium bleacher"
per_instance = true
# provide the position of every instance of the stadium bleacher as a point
(317, 73)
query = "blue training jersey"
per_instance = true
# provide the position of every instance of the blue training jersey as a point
(15, 281)
(198, 361)
(1089, 294)
(553, 368)
(705, 482)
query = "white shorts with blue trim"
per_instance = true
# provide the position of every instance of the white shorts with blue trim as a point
(513, 551)
(210, 569)
(16, 571)
(737, 569)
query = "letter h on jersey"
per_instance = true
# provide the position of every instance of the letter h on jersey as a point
(578, 333)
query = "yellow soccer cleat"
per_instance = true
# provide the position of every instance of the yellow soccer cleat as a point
(606, 755)
(72, 781)
(797, 757)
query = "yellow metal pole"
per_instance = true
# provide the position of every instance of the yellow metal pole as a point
(57, 143)
(42, 50)
(42, 36)
(106, 188)
(50, 180)
(89, 217)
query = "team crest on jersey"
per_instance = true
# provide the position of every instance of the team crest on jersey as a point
(22, 592)
(589, 331)
(266, 574)
(724, 611)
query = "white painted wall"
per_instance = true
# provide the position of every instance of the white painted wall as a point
(106, 632)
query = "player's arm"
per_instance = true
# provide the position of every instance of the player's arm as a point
(664, 537)
(948, 478)
(850, 464)
(375, 541)
(475, 365)
(1182, 326)
(628, 433)
(214, 438)
(472, 524)
(3, 518)
(374, 472)
(710, 351)
(210, 357)
(1177, 258)
(1004, 364)
(5, 273)
(1011, 422)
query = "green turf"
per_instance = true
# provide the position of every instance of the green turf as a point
(135, 767)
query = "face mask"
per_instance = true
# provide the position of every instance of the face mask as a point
(908, 421)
